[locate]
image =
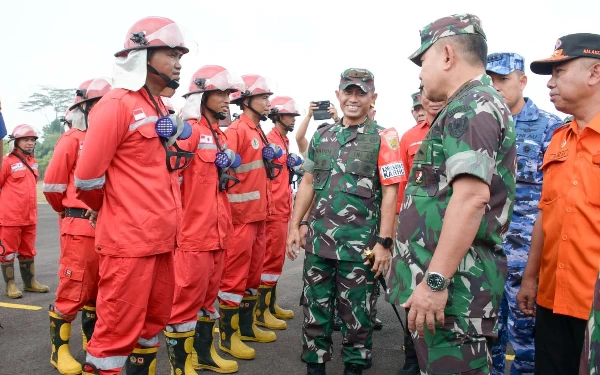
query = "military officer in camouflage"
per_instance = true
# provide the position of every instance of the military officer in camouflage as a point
(352, 171)
(534, 129)
(417, 110)
(449, 267)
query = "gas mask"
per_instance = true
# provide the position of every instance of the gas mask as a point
(293, 162)
(170, 129)
(270, 152)
(224, 160)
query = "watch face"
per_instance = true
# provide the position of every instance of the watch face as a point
(435, 281)
(387, 242)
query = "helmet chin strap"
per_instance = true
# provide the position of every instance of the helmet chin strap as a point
(218, 115)
(261, 116)
(171, 83)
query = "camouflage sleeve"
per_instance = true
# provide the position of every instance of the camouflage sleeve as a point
(309, 162)
(471, 141)
(391, 169)
(553, 124)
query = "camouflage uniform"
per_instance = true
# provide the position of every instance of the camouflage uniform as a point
(348, 173)
(475, 135)
(590, 358)
(534, 130)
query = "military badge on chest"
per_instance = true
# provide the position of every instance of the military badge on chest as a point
(419, 177)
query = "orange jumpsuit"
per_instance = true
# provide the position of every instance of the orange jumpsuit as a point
(205, 232)
(78, 263)
(409, 145)
(249, 201)
(279, 217)
(18, 206)
(122, 174)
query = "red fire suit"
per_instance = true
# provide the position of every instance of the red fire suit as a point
(122, 174)
(205, 232)
(78, 263)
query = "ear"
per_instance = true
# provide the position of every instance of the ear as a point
(523, 82)
(450, 56)
(337, 95)
(595, 74)
(374, 97)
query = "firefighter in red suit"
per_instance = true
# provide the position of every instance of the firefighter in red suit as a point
(206, 227)
(78, 262)
(127, 174)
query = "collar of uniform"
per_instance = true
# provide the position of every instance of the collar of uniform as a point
(248, 121)
(284, 138)
(482, 79)
(530, 112)
(424, 124)
(360, 128)
(594, 125)
(204, 122)
(159, 102)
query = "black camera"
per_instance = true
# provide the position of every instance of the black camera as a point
(322, 112)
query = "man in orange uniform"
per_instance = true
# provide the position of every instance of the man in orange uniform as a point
(78, 270)
(283, 114)
(409, 145)
(206, 227)
(238, 294)
(18, 212)
(562, 266)
(121, 175)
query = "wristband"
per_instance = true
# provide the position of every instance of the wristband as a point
(303, 222)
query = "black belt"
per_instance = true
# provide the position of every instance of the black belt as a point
(76, 212)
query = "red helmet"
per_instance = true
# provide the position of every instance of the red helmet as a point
(214, 78)
(284, 105)
(90, 90)
(22, 131)
(152, 32)
(255, 85)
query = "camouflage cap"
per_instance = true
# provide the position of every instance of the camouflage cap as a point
(456, 24)
(362, 78)
(567, 48)
(504, 63)
(415, 99)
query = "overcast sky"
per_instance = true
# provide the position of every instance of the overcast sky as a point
(302, 46)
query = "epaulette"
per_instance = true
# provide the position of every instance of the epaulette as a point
(562, 127)
(324, 125)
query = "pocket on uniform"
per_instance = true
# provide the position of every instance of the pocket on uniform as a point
(207, 160)
(18, 174)
(148, 149)
(71, 283)
(592, 181)
(423, 181)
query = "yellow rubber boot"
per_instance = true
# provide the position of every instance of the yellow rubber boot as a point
(180, 346)
(204, 356)
(229, 337)
(88, 323)
(8, 272)
(264, 318)
(61, 358)
(142, 361)
(277, 311)
(30, 284)
(248, 329)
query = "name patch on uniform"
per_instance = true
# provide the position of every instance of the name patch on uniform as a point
(17, 167)
(138, 114)
(392, 170)
(206, 139)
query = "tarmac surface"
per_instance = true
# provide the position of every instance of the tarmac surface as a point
(25, 341)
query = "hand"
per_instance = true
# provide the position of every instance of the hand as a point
(61, 214)
(526, 296)
(425, 308)
(311, 108)
(381, 261)
(93, 217)
(303, 230)
(293, 243)
(333, 112)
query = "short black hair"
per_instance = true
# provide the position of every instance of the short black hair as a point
(472, 47)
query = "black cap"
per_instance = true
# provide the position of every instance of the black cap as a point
(567, 48)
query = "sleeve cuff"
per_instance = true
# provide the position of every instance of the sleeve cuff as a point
(473, 163)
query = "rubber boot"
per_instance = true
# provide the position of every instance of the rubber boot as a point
(277, 311)
(315, 369)
(142, 361)
(88, 323)
(229, 337)
(204, 356)
(89, 369)
(8, 272)
(61, 358)
(263, 312)
(248, 329)
(353, 369)
(28, 275)
(180, 346)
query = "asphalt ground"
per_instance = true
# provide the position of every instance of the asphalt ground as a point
(25, 342)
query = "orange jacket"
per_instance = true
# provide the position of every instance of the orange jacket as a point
(281, 190)
(206, 213)
(122, 174)
(409, 145)
(250, 198)
(18, 193)
(59, 182)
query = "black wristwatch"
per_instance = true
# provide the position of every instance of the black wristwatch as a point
(386, 242)
(436, 281)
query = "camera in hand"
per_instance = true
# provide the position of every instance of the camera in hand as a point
(322, 112)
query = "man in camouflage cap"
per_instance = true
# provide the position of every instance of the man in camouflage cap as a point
(352, 172)
(449, 267)
(417, 110)
(534, 128)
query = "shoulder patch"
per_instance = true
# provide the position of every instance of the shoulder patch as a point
(458, 127)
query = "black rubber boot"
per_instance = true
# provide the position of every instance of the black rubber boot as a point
(142, 361)
(205, 357)
(353, 369)
(315, 369)
(88, 323)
